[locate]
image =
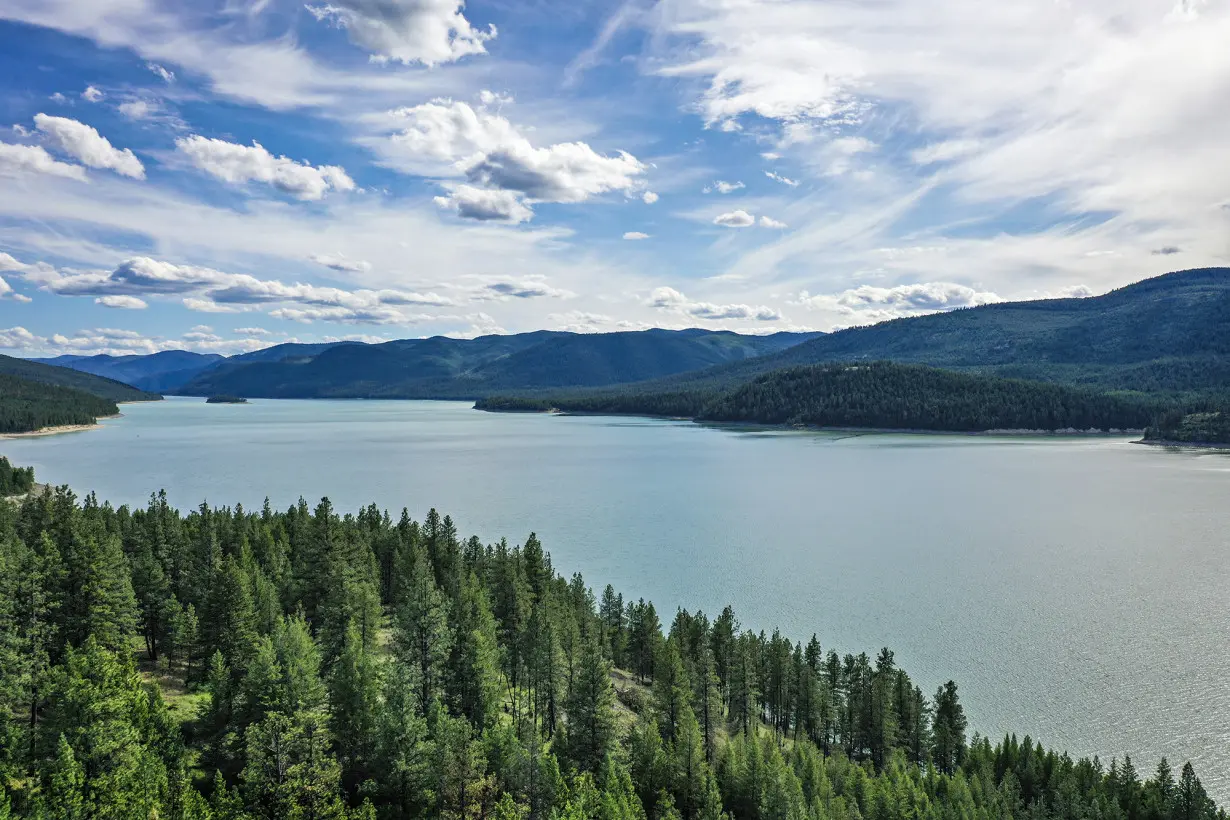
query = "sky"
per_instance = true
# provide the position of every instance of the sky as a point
(223, 175)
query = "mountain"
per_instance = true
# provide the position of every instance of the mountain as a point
(1170, 333)
(157, 372)
(881, 395)
(77, 380)
(442, 367)
(26, 406)
(1165, 335)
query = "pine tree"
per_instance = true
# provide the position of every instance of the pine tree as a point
(354, 697)
(422, 635)
(474, 672)
(948, 729)
(590, 709)
(66, 786)
(671, 689)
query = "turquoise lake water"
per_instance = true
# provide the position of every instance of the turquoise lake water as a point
(1076, 589)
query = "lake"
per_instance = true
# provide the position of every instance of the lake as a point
(1074, 588)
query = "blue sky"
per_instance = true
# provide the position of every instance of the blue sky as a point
(221, 176)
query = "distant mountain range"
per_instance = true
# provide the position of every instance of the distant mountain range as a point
(1169, 334)
(1165, 335)
(40, 373)
(442, 367)
(157, 372)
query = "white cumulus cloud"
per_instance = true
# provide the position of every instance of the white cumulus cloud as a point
(124, 302)
(649, 197)
(486, 205)
(723, 187)
(669, 299)
(91, 94)
(341, 263)
(16, 159)
(636, 235)
(735, 219)
(407, 31)
(87, 146)
(235, 163)
(770, 222)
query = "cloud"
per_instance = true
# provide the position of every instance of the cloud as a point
(666, 298)
(340, 263)
(167, 75)
(793, 183)
(137, 109)
(212, 291)
(769, 222)
(407, 31)
(723, 187)
(347, 316)
(567, 172)
(444, 131)
(1169, 250)
(452, 138)
(735, 219)
(636, 235)
(17, 338)
(253, 331)
(87, 146)
(944, 151)
(7, 292)
(16, 159)
(125, 302)
(523, 289)
(91, 94)
(486, 205)
(877, 303)
(238, 164)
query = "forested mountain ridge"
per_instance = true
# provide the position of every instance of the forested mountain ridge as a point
(156, 372)
(31, 370)
(879, 395)
(360, 666)
(27, 406)
(442, 367)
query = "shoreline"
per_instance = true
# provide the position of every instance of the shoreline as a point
(1193, 445)
(59, 429)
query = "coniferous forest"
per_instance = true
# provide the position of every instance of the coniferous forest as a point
(233, 664)
(27, 405)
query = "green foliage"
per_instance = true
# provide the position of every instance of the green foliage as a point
(26, 406)
(15, 480)
(491, 697)
(1210, 427)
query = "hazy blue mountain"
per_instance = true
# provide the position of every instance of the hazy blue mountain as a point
(157, 372)
(442, 367)
(78, 380)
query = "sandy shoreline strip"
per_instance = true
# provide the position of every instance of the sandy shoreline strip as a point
(55, 431)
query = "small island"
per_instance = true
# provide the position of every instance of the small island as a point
(226, 400)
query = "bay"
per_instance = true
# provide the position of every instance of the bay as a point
(1074, 588)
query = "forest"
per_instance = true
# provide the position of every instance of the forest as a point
(15, 480)
(881, 395)
(1211, 426)
(236, 664)
(26, 406)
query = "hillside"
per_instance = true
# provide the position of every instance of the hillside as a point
(881, 395)
(26, 406)
(64, 377)
(313, 664)
(894, 396)
(1166, 336)
(1170, 333)
(157, 372)
(442, 367)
